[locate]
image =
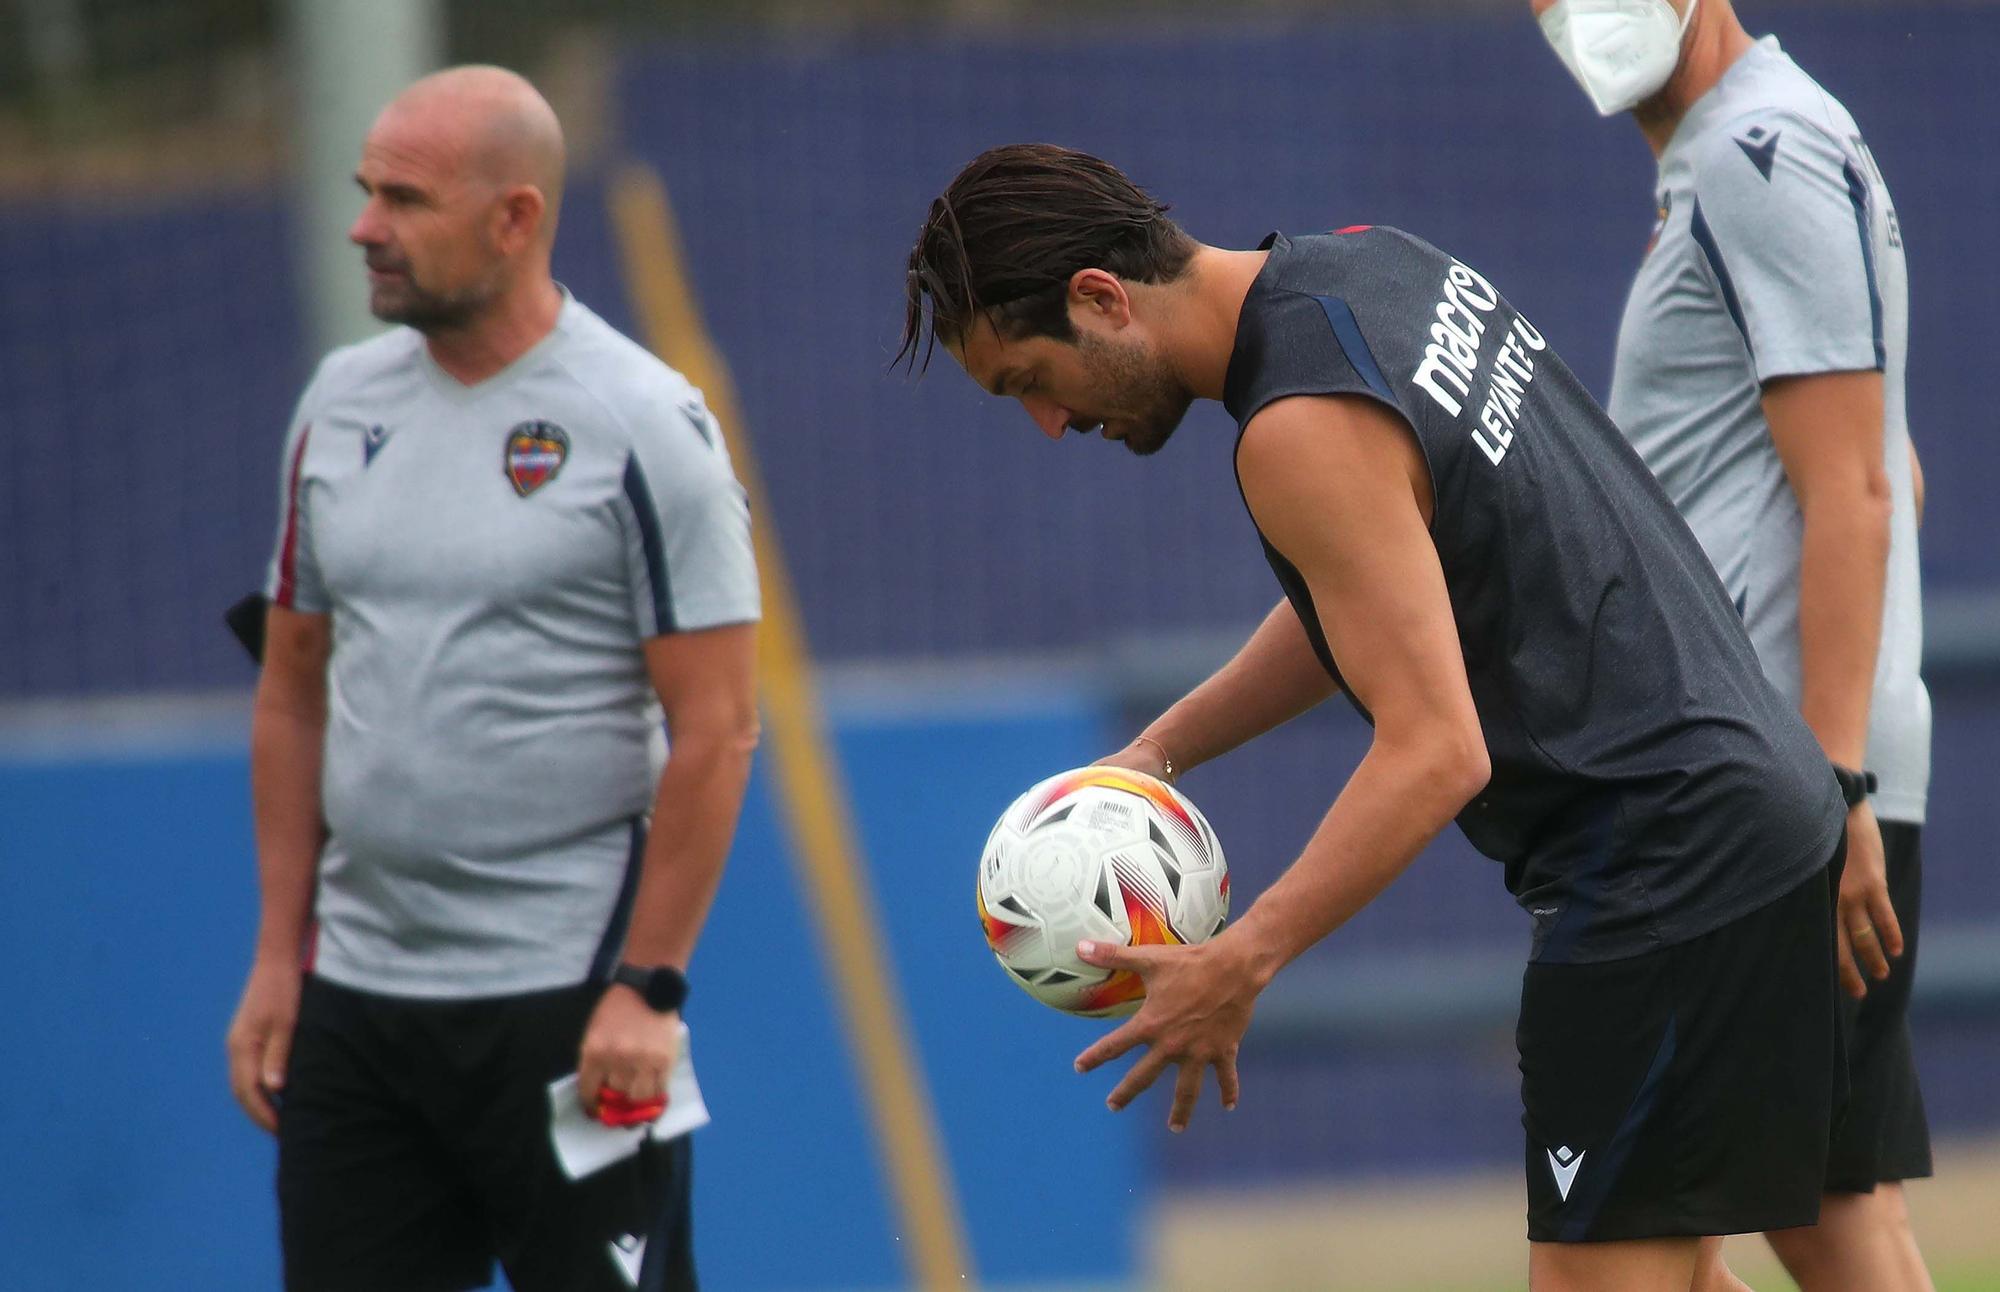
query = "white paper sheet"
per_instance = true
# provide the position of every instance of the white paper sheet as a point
(585, 1145)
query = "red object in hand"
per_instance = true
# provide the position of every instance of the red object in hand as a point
(615, 1108)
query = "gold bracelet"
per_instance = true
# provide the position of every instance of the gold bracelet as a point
(1166, 759)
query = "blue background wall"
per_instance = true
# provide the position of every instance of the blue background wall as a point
(127, 909)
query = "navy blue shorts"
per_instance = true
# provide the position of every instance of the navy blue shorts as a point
(1691, 1090)
(414, 1154)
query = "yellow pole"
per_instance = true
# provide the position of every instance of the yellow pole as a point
(807, 771)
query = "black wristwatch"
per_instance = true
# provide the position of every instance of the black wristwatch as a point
(662, 987)
(1854, 786)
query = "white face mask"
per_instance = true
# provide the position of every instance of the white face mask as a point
(1620, 51)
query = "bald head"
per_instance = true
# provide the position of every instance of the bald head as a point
(463, 174)
(490, 124)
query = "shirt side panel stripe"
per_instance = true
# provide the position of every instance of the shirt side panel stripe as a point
(1857, 193)
(1705, 238)
(641, 499)
(1347, 331)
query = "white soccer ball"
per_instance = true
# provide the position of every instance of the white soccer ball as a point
(1103, 854)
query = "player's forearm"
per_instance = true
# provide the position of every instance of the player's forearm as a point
(1843, 566)
(1400, 797)
(1274, 678)
(286, 744)
(694, 820)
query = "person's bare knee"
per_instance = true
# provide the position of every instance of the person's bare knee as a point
(1892, 1212)
(1635, 1265)
(1711, 1272)
(1851, 1225)
(1798, 1250)
(1895, 1206)
(1857, 1243)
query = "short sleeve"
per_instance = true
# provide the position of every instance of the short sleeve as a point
(293, 580)
(688, 551)
(1782, 217)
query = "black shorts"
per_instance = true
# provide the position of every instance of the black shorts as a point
(1884, 1135)
(1688, 1091)
(414, 1152)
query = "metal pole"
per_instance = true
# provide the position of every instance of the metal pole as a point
(349, 57)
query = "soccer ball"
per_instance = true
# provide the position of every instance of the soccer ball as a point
(1104, 854)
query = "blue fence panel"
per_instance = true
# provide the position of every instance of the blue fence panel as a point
(802, 172)
(150, 352)
(148, 360)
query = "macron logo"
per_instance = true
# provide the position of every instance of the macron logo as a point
(1761, 147)
(628, 1253)
(1564, 1164)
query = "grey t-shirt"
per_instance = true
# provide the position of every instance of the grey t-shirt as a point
(493, 558)
(1777, 254)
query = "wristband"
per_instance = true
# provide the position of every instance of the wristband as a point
(662, 987)
(1854, 786)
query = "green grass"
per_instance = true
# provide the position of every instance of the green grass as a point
(1950, 1281)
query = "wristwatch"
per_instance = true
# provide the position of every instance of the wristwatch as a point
(662, 987)
(1854, 786)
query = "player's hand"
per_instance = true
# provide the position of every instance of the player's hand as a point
(1198, 1004)
(629, 1047)
(1867, 929)
(259, 1042)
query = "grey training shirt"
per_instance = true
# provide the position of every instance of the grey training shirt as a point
(493, 558)
(1777, 254)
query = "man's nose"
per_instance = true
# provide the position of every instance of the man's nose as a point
(1052, 417)
(366, 230)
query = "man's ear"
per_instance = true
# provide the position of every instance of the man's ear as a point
(1102, 295)
(520, 217)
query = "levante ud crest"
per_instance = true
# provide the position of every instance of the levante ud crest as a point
(535, 452)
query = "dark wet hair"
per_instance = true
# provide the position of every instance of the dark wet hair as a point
(1010, 230)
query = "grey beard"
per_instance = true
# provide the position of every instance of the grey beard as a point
(428, 313)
